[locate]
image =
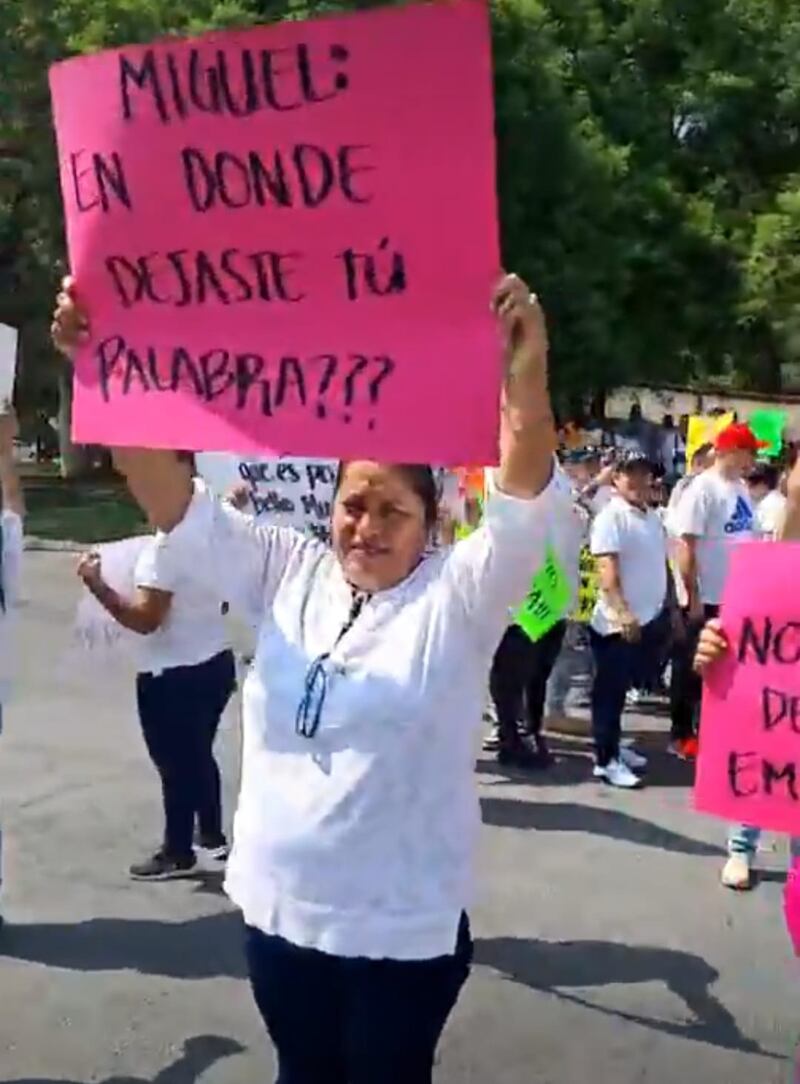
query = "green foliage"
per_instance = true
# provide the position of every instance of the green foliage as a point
(648, 152)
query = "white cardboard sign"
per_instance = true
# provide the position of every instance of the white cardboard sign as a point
(8, 364)
(286, 492)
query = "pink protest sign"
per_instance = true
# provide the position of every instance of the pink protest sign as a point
(749, 765)
(286, 237)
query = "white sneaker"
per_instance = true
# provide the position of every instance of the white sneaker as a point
(631, 759)
(617, 774)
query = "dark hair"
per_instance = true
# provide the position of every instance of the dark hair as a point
(419, 478)
(702, 450)
(187, 457)
(764, 474)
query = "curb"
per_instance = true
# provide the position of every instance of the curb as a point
(52, 545)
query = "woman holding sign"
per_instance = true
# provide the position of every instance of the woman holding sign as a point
(713, 646)
(353, 840)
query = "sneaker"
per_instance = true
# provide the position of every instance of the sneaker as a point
(163, 867)
(736, 873)
(491, 742)
(521, 755)
(216, 849)
(684, 748)
(631, 759)
(617, 774)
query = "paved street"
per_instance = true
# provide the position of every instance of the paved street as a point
(606, 951)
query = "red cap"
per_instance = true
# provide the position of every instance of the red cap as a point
(738, 437)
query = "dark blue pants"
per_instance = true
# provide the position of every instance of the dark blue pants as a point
(180, 711)
(354, 1021)
(618, 664)
(520, 672)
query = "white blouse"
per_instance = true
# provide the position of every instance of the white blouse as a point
(359, 841)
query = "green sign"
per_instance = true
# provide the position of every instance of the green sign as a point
(768, 425)
(547, 599)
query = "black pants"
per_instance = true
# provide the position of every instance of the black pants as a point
(180, 711)
(520, 671)
(686, 687)
(354, 1021)
(617, 667)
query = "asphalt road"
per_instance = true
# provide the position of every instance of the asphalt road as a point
(606, 950)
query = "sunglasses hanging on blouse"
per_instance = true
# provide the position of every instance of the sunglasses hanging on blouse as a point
(309, 710)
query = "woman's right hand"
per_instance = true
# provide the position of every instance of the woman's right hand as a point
(70, 326)
(711, 647)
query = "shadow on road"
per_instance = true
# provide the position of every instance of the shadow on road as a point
(574, 759)
(199, 1054)
(200, 948)
(573, 817)
(550, 965)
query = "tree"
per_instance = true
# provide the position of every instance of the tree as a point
(648, 155)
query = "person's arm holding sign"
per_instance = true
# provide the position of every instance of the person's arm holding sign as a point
(525, 510)
(527, 432)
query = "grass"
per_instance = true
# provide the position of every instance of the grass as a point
(85, 511)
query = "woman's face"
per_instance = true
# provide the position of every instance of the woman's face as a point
(379, 529)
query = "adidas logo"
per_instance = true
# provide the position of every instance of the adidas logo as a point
(742, 518)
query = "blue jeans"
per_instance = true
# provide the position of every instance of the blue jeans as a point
(337, 1020)
(618, 665)
(742, 839)
(180, 711)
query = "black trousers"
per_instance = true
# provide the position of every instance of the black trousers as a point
(335, 1020)
(520, 672)
(618, 665)
(686, 687)
(180, 711)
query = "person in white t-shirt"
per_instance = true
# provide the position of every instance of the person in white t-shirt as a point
(629, 543)
(768, 501)
(715, 514)
(11, 518)
(186, 675)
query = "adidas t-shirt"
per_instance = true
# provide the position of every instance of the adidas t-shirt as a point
(719, 514)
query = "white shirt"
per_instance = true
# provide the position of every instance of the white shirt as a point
(601, 499)
(194, 630)
(359, 841)
(717, 512)
(638, 539)
(770, 513)
(12, 562)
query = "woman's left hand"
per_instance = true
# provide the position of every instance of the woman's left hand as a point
(527, 434)
(524, 327)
